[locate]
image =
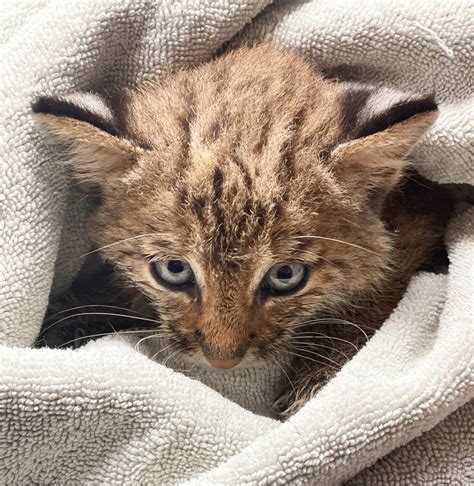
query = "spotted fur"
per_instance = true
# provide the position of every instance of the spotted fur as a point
(246, 161)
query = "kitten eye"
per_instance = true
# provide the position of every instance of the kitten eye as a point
(284, 277)
(176, 273)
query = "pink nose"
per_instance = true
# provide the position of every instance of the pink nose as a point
(224, 363)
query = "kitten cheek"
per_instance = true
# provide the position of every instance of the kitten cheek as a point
(181, 302)
(276, 303)
(165, 300)
(270, 305)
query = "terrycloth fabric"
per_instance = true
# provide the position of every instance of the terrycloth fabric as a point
(106, 413)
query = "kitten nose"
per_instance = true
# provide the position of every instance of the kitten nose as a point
(224, 363)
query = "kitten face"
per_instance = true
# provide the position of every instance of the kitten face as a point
(231, 235)
(220, 174)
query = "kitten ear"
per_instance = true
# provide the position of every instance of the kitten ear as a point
(380, 127)
(85, 123)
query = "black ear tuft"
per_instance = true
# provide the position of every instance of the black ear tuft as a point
(367, 110)
(91, 132)
(86, 107)
(379, 128)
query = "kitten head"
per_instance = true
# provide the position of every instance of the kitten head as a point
(242, 197)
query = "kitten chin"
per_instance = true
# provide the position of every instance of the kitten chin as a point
(250, 207)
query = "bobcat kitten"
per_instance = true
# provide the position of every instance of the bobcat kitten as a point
(256, 208)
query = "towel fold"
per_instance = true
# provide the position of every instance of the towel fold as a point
(106, 413)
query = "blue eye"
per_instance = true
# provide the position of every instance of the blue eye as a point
(177, 273)
(284, 277)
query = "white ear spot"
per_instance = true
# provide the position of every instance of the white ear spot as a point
(92, 103)
(88, 129)
(85, 107)
(367, 109)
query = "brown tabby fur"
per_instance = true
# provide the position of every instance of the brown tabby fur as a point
(242, 163)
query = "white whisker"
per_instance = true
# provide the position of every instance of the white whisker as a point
(90, 336)
(169, 357)
(317, 354)
(338, 241)
(113, 244)
(286, 374)
(156, 335)
(306, 358)
(318, 335)
(92, 305)
(330, 320)
(99, 314)
(310, 345)
(161, 350)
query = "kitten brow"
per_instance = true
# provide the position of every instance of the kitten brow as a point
(117, 243)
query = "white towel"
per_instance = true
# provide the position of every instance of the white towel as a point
(106, 413)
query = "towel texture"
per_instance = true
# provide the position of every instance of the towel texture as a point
(105, 413)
